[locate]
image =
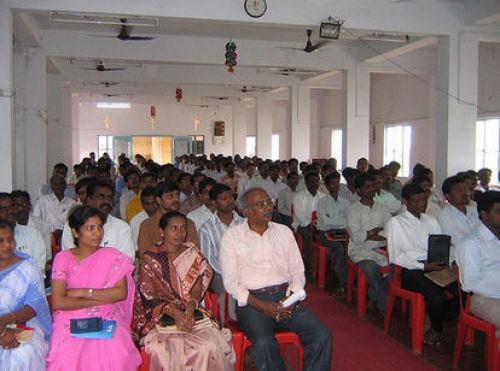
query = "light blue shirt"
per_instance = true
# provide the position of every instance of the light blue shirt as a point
(478, 256)
(210, 235)
(332, 214)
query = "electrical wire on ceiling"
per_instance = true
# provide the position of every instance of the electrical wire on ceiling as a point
(416, 76)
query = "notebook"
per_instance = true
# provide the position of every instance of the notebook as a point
(107, 331)
(438, 248)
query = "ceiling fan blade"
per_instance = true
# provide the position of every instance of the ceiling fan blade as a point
(289, 48)
(143, 38)
(101, 35)
(319, 45)
(88, 68)
(113, 69)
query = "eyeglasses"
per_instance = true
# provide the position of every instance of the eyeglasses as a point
(263, 204)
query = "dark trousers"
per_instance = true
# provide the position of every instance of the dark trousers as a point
(306, 234)
(437, 303)
(285, 219)
(259, 328)
(336, 253)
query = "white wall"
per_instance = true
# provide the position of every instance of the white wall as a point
(281, 126)
(489, 80)
(175, 120)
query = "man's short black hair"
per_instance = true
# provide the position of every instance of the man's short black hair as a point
(450, 182)
(310, 174)
(95, 183)
(333, 175)
(197, 174)
(486, 200)
(411, 189)
(362, 178)
(20, 193)
(205, 183)
(130, 172)
(84, 182)
(4, 195)
(149, 175)
(148, 191)
(182, 176)
(166, 186)
(292, 173)
(420, 179)
(62, 166)
(349, 172)
(217, 190)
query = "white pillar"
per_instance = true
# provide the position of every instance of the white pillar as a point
(19, 84)
(456, 104)
(35, 125)
(6, 101)
(264, 125)
(300, 117)
(356, 106)
(239, 128)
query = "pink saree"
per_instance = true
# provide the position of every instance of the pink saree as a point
(163, 282)
(100, 270)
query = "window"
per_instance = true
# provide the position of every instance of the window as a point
(487, 145)
(275, 147)
(397, 146)
(105, 145)
(250, 146)
(336, 147)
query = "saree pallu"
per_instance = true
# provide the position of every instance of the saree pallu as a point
(22, 284)
(100, 270)
(163, 282)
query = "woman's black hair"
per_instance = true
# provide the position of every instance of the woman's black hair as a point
(165, 219)
(80, 215)
(6, 224)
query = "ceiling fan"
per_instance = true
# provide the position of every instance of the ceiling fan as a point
(310, 47)
(106, 84)
(101, 67)
(251, 89)
(124, 34)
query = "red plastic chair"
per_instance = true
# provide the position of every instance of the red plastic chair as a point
(241, 342)
(53, 244)
(417, 309)
(466, 325)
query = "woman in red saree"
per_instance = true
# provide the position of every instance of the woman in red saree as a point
(172, 280)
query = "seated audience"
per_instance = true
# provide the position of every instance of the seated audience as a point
(231, 178)
(424, 182)
(407, 236)
(117, 233)
(285, 199)
(275, 185)
(167, 197)
(193, 201)
(396, 186)
(261, 264)
(362, 165)
(132, 179)
(484, 176)
(365, 222)
(246, 177)
(90, 280)
(22, 301)
(53, 207)
(149, 206)
(478, 256)
(134, 206)
(186, 189)
(172, 281)
(383, 196)
(61, 170)
(348, 191)
(457, 219)
(332, 219)
(206, 210)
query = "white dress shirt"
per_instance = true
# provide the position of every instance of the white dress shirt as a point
(456, 224)
(285, 201)
(210, 235)
(135, 224)
(45, 230)
(250, 261)
(30, 241)
(360, 219)
(332, 213)
(478, 256)
(304, 204)
(407, 238)
(274, 188)
(117, 234)
(200, 216)
(346, 193)
(243, 184)
(52, 211)
(388, 199)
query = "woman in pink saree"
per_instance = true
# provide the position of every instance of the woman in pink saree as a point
(172, 280)
(89, 281)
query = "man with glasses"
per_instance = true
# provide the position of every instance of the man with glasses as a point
(261, 264)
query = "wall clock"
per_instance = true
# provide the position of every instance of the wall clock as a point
(255, 8)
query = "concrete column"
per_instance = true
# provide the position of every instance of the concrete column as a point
(264, 125)
(35, 125)
(456, 114)
(356, 106)
(7, 139)
(300, 117)
(239, 128)
(19, 84)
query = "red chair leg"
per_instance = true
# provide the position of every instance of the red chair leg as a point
(469, 336)
(459, 341)
(362, 288)
(315, 261)
(351, 270)
(388, 310)
(418, 318)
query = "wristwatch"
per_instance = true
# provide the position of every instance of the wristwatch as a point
(91, 293)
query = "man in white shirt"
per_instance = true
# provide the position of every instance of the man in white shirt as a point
(407, 241)
(262, 180)
(432, 209)
(244, 181)
(332, 219)
(478, 256)
(117, 233)
(348, 191)
(285, 199)
(149, 205)
(304, 203)
(383, 196)
(456, 218)
(365, 223)
(261, 264)
(53, 207)
(206, 210)
(59, 169)
(28, 240)
(275, 185)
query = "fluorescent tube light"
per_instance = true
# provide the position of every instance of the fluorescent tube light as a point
(113, 105)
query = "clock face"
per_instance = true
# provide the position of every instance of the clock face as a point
(255, 8)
